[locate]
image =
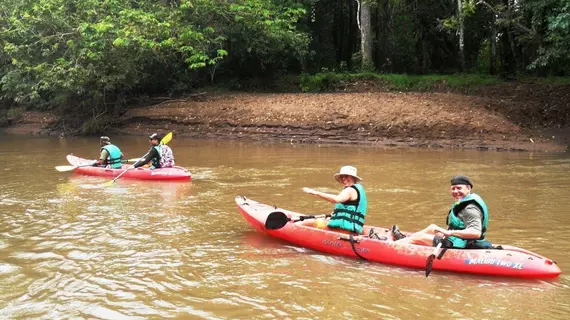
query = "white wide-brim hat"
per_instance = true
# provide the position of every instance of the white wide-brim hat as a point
(349, 171)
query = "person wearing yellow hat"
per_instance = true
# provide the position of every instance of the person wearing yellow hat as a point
(111, 156)
(467, 221)
(350, 205)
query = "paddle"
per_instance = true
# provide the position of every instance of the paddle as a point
(429, 261)
(71, 168)
(164, 140)
(277, 219)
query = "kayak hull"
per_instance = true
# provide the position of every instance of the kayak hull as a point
(508, 262)
(163, 174)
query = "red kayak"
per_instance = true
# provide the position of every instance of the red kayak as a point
(504, 260)
(165, 174)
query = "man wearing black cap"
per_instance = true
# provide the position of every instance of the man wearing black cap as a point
(110, 156)
(467, 221)
(159, 154)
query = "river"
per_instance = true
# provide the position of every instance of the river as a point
(73, 249)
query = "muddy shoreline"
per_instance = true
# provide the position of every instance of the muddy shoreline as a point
(383, 119)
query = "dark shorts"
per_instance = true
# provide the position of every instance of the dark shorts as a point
(446, 243)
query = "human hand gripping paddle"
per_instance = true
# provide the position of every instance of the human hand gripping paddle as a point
(71, 168)
(164, 140)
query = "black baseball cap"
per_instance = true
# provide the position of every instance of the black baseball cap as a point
(461, 179)
(157, 136)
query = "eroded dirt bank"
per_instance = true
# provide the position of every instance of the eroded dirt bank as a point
(370, 118)
(505, 119)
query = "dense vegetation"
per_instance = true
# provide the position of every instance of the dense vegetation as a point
(89, 60)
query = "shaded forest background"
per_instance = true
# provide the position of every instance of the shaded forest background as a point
(89, 61)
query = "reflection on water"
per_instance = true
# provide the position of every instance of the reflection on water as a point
(155, 191)
(71, 248)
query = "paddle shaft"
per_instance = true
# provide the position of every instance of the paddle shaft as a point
(71, 168)
(277, 219)
(129, 169)
(302, 218)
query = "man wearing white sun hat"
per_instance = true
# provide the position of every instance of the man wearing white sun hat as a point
(350, 204)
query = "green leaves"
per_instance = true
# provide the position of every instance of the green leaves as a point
(553, 41)
(82, 58)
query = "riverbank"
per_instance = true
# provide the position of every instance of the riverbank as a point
(509, 117)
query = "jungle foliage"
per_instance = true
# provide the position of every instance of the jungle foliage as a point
(89, 60)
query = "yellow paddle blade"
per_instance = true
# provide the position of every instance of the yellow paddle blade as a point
(65, 168)
(166, 138)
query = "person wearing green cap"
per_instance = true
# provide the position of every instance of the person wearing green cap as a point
(467, 221)
(111, 156)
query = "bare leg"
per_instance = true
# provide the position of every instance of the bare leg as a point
(422, 237)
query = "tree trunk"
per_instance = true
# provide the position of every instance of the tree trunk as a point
(493, 46)
(426, 59)
(366, 36)
(352, 37)
(510, 36)
(383, 24)
(461, 35)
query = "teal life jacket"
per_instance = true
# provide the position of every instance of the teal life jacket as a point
(114, 158)
(156, 159)
(350, 215)
(455, 223)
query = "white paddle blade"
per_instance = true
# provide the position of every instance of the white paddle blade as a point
(65, 168)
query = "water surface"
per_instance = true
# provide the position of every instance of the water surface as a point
(70, 248)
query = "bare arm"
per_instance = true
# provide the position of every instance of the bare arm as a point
(104, 154)
(345, 195)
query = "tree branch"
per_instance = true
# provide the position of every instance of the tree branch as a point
(501, 14)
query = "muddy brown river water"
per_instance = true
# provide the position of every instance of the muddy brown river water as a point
(72, 249)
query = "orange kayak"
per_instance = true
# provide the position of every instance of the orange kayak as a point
(503, 260)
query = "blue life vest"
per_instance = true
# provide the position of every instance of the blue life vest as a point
(454, 223)
(350, 215)
(114, 158)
